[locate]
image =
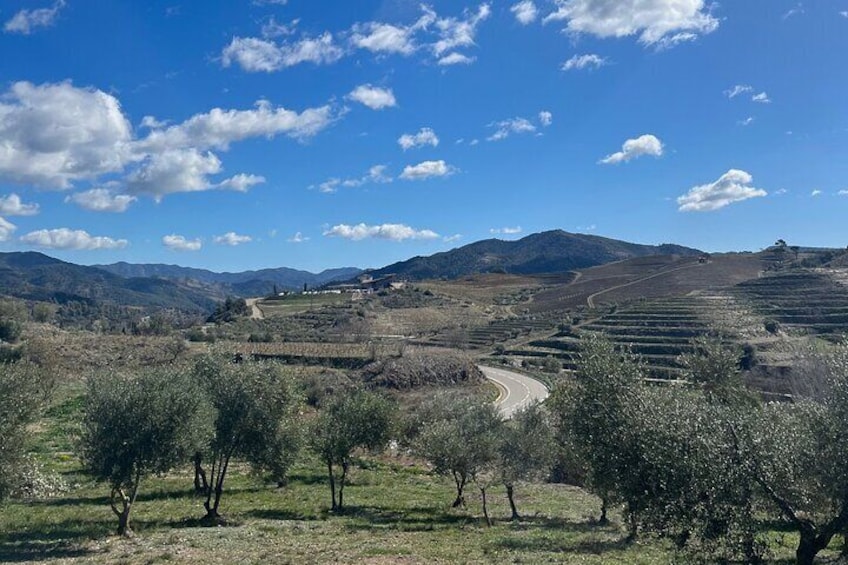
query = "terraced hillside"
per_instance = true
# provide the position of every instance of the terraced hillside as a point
(803, 301)
(656, 330)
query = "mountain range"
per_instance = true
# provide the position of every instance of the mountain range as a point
(34, 276)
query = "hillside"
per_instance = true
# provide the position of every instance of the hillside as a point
(35, 276)
(246, 283)
(546, 252)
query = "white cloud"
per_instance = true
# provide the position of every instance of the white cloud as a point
(218, 128)
(272, 28)
(732, 186)
(587, 61)
(506, 231)
(456, 59)
(459, 32)
(26, 21)
(101, 200)
(54, 134)
(384, 38)
(737, 90)
(298, 238)
(525, 12)
(507, 127)
(643, 145)
(174, 170)
(12, 205)
(797, 10)
(452, 238)
(240, 182)
(253, 54)
(329, 186)
(426, 169)
(662, 23)
(815, 193)
(844, 13)
(374, 97)
(393, 232)
(232, 239)
(64, 238)
(7, 228)
(150, 122)
(180, 243)
(762, 98)
(376, 174)
(843, 192)
(425, 136)
(746, 122)
(546, 118)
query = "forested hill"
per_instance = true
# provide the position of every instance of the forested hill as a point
(35, 276)
(246, 283)
(546, 252)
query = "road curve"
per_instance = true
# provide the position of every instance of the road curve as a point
(517, 390)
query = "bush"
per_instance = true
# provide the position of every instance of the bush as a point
(772, 326)
(10, 330)
(422, 369)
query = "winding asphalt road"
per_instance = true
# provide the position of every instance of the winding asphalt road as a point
(517, 390)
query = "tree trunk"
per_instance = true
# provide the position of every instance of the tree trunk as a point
(603, 520)
(332, 484)
(485, 508)
(459, 479)
(200, 483)
(810, 545)
(509, 495)
(342, 484)
(123, 514)
(218, 476)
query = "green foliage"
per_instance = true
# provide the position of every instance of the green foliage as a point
(24, 391)
(360, 419)
(140, 425)
(255, 407)
(459, 437)
(10, 330)
(229, 310)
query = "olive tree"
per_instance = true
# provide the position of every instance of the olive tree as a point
(255, 418)
(346, 422)
(459, 436)
(139, 425)
(525, 451)
(24, 390)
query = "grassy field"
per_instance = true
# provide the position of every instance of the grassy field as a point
(296, 303)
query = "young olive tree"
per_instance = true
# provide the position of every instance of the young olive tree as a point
(526, 450)
(255, 418)
(139, 425)
(356, 420)
(459, 437)
(24, 390)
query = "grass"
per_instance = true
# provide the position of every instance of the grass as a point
(296, 303)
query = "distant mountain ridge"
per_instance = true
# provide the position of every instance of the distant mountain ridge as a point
(545, 252)
(246, 283)
(35, 276)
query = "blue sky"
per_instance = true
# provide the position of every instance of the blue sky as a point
(317, 134)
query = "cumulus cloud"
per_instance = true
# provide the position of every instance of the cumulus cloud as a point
(54, 134)
(180, 243)
(298, 238)
(661, 23)
(643, 145)
(452, 238)
(815, 193)
(426, 169)
(26, 21)
(456, 59)
(64, 238)
(425, 136)
(101, 200)
(7, 228)
(393, 232)
(546, 118)
(732, 186)
(253, 54)
(384, 38)
(505, 128)
(232, 239)
(376, 174)
(737, 90)
(455, 33)
(762, 98)
(525, 12)
(374, 97)
(587, 61)
(506, 231)
(12, 205)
